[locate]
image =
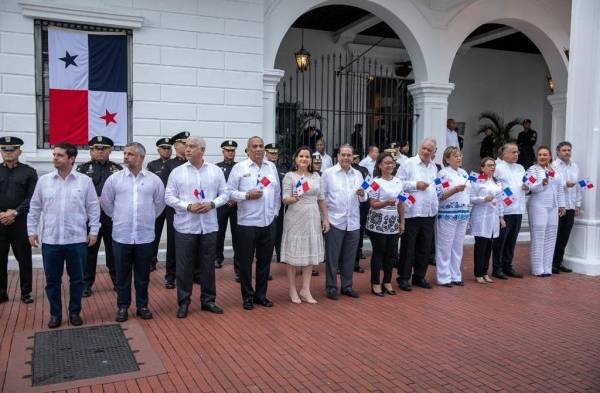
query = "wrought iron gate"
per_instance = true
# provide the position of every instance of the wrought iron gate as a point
(364, 104)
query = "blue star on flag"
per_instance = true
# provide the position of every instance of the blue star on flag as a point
(68, 59)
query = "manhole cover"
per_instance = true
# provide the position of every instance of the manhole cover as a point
(71, 354)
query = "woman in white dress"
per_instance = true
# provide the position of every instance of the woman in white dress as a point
(486, 217)
(546, 204)
(304, 224)
(385, 223)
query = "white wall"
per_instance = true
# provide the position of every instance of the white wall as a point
(509, 83)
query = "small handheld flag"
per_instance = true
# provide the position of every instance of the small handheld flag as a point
(529, 180)
(199, 194)
(406, 198)
(369, 184)
(473, 177)
(263, 182)
(585, 184)
(550, 174)
(441, 182)
(301, 186)
(507, 196)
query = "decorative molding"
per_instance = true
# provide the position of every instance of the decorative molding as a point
(558, 100)
(74, 14)
(430, 91)
(271, 78)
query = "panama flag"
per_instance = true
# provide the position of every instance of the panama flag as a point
(406, 198)
(507, 196)
(441, 182)
(302, 186)
(199, 194)
(262, 182)
(530, 180)
(585, 184)
(369, 184)
(87, 86)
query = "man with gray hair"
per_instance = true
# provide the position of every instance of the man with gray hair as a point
(133, 198)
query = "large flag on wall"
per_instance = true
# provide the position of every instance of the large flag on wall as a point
(88, 86)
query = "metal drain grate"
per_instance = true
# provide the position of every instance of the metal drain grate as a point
(68, 355)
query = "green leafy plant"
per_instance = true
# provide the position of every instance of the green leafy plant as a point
(500, 129)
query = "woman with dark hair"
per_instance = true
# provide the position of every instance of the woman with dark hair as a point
(486, 217)
(385, 223)
(546, 204)
(304, 223)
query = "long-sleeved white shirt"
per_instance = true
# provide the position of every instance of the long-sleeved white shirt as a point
(451, 138)
(550, 195)
(133, 203)
(456, 206)
(343, 205)
(368, 163)
(485, 216)
(426, 201)
(185, 186)
(67, 206)
(569, 173)
(511, 175)
(244, 177)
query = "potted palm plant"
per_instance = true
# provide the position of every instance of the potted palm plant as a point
(500, 129)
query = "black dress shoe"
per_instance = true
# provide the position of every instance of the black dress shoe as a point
(75, 320)
(500, 275)
(555, 270)
(218, 264)
(87, 292)
(54, 322)
(388, 291)
(144, 313)
(248, 304)
(350, 293)
(169, 284)
(236, 277)
(182, 311)
(27, 299)
(359, 269)
(332, 294)
(212, 307)
(564, 269)
(546, 275)
(404, 285)
(421, 282)
(380, 294)
(122, 315)
(447, 285)
(513, 274)
(264, 302)
(315, 272)
(458, 283)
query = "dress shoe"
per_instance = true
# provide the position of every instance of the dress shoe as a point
(182, 311)
(248, 304)
(54, 322)
(169, 284)
(3, 297)
(546, 275)
(218, 264)
(388, 290)
(564, 269)
(27, 299)
(500, 275)
(315, 272)
(236, 277)
(447, 285)
(358, 269)
(458, 283)
(75, 320)
(307, 298)
(404, 285)
(350, 293)
(421, 282)
(487, 278)
(212, 307)
(264, 302)
(480, 280)
(122, 315)
(555, 270)
(332, 294)
(144, 313)
(380, 293)
(87, 292)
(513, 274)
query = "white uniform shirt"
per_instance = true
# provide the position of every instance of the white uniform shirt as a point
(326, 161)
(551, 195)
(65, 206)
(401, 159)
(414, 170)
(368, 163)
(452, 138)
(339, 188)
(186, 182)
(511, 175)
(569, 172)
(133, 203)
(244, 177)
(485, 216)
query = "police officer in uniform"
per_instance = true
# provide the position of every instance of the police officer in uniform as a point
(272, 154)
(164, 148)
(179, 159)
(525, 141)
(99, 168)
(364, 212)
(17, 182)
(227, 212)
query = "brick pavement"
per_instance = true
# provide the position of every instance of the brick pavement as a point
(529, 335)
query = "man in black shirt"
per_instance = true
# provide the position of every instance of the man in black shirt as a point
(179, 159)
(272, 154)
(164, 148)
(99, 168)
(526, 141)
(17, 182)
(364, 211)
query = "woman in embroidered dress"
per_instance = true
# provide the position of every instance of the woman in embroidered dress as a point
(452, 219)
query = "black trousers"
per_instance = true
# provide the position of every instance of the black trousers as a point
(170, 262)
(384, 251)
(279, 231)
(15, 236)
(260, 240)
(196, 252)
(226, 214)
(565, 224)
(504, 245)
(415, 248)
(136, 259)
(159, 224)
(104, 234)
(364, 212)
(482, 253)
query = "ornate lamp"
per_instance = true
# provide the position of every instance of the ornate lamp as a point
(302, 57)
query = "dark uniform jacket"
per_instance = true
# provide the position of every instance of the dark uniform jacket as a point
(16, 188)
(99, 172)
(226, 168)
(525, 141)
(487, 147)
(157, 167)
(171, 164)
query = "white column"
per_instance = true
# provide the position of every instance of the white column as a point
(271, 78)
(558, 101)
(430, 102)
(583, 130)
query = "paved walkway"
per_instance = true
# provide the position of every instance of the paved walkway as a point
(528, 335)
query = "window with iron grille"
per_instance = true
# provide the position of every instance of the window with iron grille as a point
(41, 76)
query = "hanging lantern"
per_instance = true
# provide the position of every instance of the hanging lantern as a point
(551, 84)
(302, 57)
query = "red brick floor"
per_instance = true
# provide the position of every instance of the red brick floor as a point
(529, 335)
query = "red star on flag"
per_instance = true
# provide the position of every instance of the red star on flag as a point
(109, 117)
